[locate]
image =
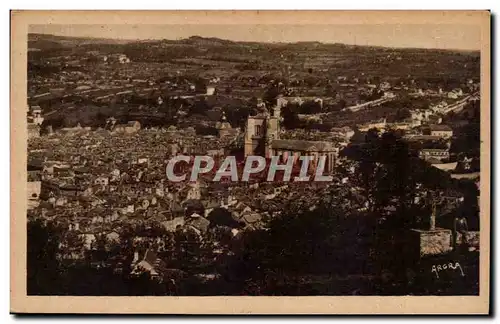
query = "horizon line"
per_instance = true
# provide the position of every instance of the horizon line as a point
(255, 41)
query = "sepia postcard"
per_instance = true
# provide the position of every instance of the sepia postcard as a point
(250, 162)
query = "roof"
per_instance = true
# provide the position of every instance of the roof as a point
(434, 150)
(35, 165)
(223, 125)
(171, 225)
(210, 204)
(176, 207)
(422, 138)
(70, 187)
(150, 256)
(300, 145)
(251, 218)
(440, 127)
(33, 126)
(341, 129)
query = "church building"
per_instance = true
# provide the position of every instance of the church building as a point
(262, 137)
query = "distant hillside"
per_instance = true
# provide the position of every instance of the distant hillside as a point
(207, 41)
(47, 41)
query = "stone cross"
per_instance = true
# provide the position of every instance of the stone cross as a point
(432, 225)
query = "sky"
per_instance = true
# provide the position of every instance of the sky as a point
(443, 36)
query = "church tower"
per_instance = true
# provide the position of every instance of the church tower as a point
(260, 132)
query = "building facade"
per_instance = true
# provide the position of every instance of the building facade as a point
(262, 137)
(443, 131)
(434, 154)
(261, 130)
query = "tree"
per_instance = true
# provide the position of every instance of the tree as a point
(42, 263)
(199, 107)
(206, 130)
(396, 185)
(310, 107)
(402, 114)
(330, 91)
(290, 117)
(222, 217)
(300, 245)
(270, 95)
(342, 104)
(200, 85)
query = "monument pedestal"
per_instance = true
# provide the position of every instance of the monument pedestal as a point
(432, 242)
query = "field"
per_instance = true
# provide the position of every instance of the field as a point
(342, 75)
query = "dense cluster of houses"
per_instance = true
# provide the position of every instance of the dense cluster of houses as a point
(95, 182)
(98, 183)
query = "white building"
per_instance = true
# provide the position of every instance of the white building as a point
(122, 58)
(443, 131)
(210, 90)
(434, 154)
